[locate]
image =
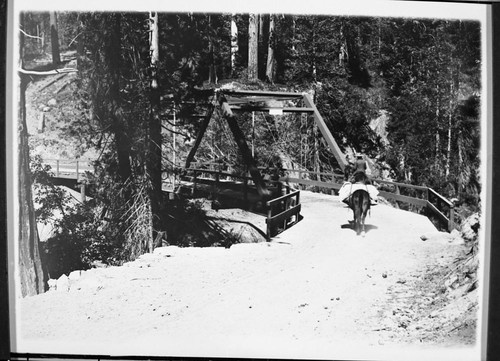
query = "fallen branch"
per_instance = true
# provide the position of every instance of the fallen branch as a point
(72, 40)
(52, 81)
(58, 90)
(50, 72)
(30, 36)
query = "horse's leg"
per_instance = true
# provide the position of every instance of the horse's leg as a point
(354, 222)
(358, 202)
(363, 232)
(365, 209)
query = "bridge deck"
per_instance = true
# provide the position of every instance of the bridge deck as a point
(239, 195)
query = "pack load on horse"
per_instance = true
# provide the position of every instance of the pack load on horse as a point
(358, 180)
(348, 188)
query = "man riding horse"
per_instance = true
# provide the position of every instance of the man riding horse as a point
(359, 171)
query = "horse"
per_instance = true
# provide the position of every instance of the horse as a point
(360, 202)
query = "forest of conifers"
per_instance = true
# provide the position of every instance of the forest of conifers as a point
(417, 80)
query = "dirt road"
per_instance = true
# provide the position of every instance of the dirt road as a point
(316, 291)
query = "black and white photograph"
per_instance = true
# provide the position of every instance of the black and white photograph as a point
(293, 180)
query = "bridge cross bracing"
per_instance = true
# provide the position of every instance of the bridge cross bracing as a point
(234, 101)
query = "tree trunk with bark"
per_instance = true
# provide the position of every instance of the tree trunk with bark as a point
(437, 148)
(54, 38)
(448, 147)
(31, 273)
(212, 73)
(79, 46)
(253, 48)
(270, 71)
(113, 60)
(155, 138)
(234, 43)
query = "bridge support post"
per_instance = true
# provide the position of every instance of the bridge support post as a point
(195, 175)
(216, 187)
(245, 192)
(268, 223)
(451, 222)
(82, 192)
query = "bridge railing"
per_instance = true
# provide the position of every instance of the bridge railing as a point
(402, 192)
(331, 181)
(281, 210)
(418, 196)
(216, 178)
(220, 180)
(69, 168)
(441, 207)
(413, 195)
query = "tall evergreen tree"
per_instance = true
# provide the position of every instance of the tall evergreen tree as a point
(253, 48)
(54, 38)
(31, 274)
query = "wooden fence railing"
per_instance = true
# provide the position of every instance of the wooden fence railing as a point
(217, 178)
(332, 181)
(419, 196)
(69, 168)
(281, 211)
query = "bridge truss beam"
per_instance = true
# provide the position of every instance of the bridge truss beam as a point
(255, 100)
(244, 149)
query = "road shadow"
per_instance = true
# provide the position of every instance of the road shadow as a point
(350, 225)
(229, 220)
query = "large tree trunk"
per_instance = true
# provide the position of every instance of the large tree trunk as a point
(343, 55)
(79, 46)
(448, 147)
(270, 52)
(437, 148)
(261, 29)
(454, 86)
(30, 266)
(253, 48)
(314, 68)
(212, 73)
(234, 43)
(4, 284)
(460, 151)
(155, 138)
(54, 38)
(113, 56)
